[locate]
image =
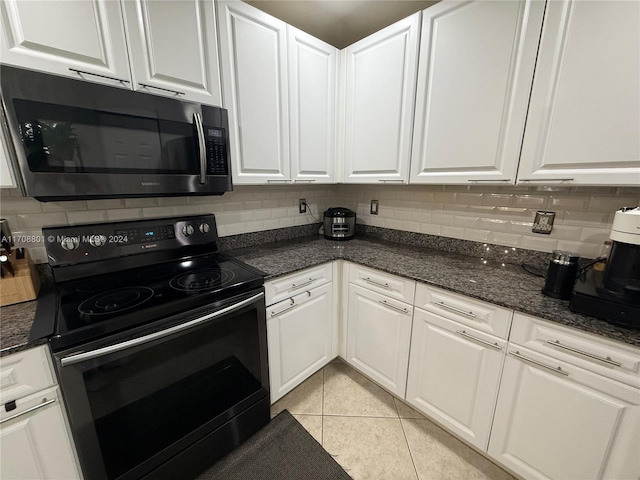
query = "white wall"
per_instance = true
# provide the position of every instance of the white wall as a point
(499, 215)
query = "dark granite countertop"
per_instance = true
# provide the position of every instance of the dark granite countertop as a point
(506, 285)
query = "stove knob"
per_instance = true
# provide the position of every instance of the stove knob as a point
(204, 227)
(97, 240)
(70, 243)
(187, 230)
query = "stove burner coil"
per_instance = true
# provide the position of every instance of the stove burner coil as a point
(204, 279)
(115, 301)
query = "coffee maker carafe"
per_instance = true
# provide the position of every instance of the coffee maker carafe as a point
(614, 294)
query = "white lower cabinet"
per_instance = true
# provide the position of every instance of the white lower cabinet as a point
(35, 442)
(378, 337)
(454, 374)
(300, 336)
(555, 420)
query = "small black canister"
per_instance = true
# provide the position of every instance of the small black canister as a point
(561, 275)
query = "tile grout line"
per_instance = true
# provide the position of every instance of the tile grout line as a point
(415, 469)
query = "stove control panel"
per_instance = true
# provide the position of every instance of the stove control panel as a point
(92, 242)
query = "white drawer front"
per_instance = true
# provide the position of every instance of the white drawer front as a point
(480, 315)
(296, 283)
(399, 288)
(24, 373)
(608, 358)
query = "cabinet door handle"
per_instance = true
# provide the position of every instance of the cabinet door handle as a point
(276, 314)
(540, 364)
(484, 342)
(160, 88)
(379, 284)
(303, 181)
(488, 180)
(390, 305)
(586, 354)
(296, 287)
(98, 75)
(278, 181)
(454, 309)
(545, 179)
(391, 181)
(44, 403)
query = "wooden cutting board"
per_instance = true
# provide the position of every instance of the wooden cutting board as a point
(24, 285)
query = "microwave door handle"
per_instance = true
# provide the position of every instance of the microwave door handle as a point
(202, 149)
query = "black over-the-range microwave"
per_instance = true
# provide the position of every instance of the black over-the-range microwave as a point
(78, 140)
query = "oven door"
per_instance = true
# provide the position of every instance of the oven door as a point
(140, 398)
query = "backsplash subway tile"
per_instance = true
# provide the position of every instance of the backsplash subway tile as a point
(497, 215)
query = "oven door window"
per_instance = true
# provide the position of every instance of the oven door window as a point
(77, 140)
(148, 399)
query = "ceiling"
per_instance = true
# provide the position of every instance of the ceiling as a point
(340, 22)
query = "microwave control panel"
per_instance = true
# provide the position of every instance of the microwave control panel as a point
(216, 152)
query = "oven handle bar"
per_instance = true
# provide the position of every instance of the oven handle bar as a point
(81, 357)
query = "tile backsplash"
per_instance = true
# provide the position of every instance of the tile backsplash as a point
(495, 215)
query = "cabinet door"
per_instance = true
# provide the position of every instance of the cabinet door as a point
(583, 125)
(36, 445)
(380, 95)
(312, 96)
(475, 74)
(454, 372)
(378, 337)
(554, 420)
(300, 338)
(174, 48)
(255, 91)
(56, 37)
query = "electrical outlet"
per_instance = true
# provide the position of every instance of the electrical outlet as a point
(302, 205)
(374, 207)
(543, 222)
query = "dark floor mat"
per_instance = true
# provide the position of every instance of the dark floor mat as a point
(283, 450)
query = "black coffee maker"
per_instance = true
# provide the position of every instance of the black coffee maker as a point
(614, 293)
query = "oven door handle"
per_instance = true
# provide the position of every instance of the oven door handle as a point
(81, 357)
(202, 147)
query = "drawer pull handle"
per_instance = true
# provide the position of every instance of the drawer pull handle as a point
(400, 309)
(79, 72)
(488, 180)
(457, 310)
(278, 181)
(484, 342)
(545, 179)
(276, 314)
(535, 362)
(44, 403)
(379, 284)
(586, 354)
(308, 282)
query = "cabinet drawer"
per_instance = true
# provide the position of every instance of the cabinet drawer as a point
(291, 285)
(394, 287)
(608, 358)
(24, 373)
(480, 315)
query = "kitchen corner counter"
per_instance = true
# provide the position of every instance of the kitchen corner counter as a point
(506, 285)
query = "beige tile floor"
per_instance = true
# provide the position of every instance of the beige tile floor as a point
(374, 436)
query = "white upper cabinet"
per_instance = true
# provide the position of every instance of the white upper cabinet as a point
(474, 79)
(255, 91)
(71, 38)
(313, 68)
(380, 95)
(174, 48)
(583, 125)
